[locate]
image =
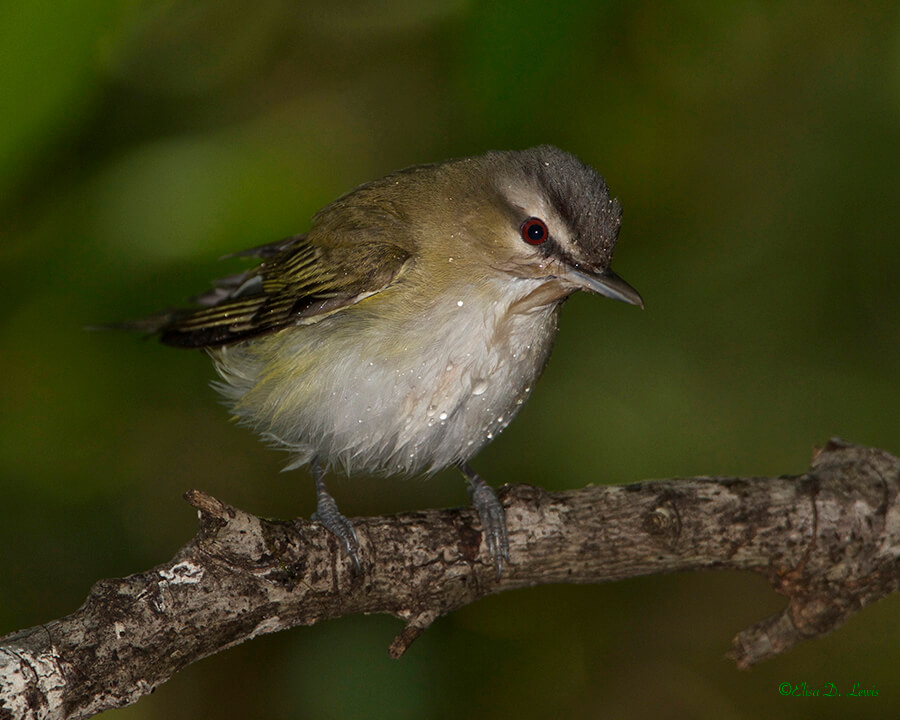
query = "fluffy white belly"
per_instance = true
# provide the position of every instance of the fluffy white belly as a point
(392, 397)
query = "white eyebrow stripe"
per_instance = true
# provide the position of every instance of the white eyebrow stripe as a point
(533, 203)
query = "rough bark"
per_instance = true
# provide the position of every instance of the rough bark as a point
(828, 539)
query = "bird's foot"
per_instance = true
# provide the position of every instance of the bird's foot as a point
(334, 521)
(493, 519)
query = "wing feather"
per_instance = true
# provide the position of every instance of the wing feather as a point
(297, 283)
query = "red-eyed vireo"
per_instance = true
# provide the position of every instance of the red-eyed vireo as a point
(404, 331)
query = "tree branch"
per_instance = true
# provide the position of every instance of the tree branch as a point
(828, 539)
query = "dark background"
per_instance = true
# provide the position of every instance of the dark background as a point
(755, 147)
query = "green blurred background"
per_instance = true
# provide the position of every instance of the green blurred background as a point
(755, 147)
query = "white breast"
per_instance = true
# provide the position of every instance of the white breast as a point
(394, 398)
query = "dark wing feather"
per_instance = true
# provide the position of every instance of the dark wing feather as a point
(296, 283)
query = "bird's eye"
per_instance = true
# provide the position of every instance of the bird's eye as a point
(534, 231)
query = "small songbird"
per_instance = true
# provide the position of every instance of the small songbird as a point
(405, 329)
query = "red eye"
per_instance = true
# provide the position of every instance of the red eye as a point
(534, 231)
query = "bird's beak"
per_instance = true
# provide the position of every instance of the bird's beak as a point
(605, 283)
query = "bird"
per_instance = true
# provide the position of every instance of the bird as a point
(405, 329)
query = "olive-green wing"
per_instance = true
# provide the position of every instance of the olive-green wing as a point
(297, 283)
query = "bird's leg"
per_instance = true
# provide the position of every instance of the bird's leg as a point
(328, 514)
(493, 520)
